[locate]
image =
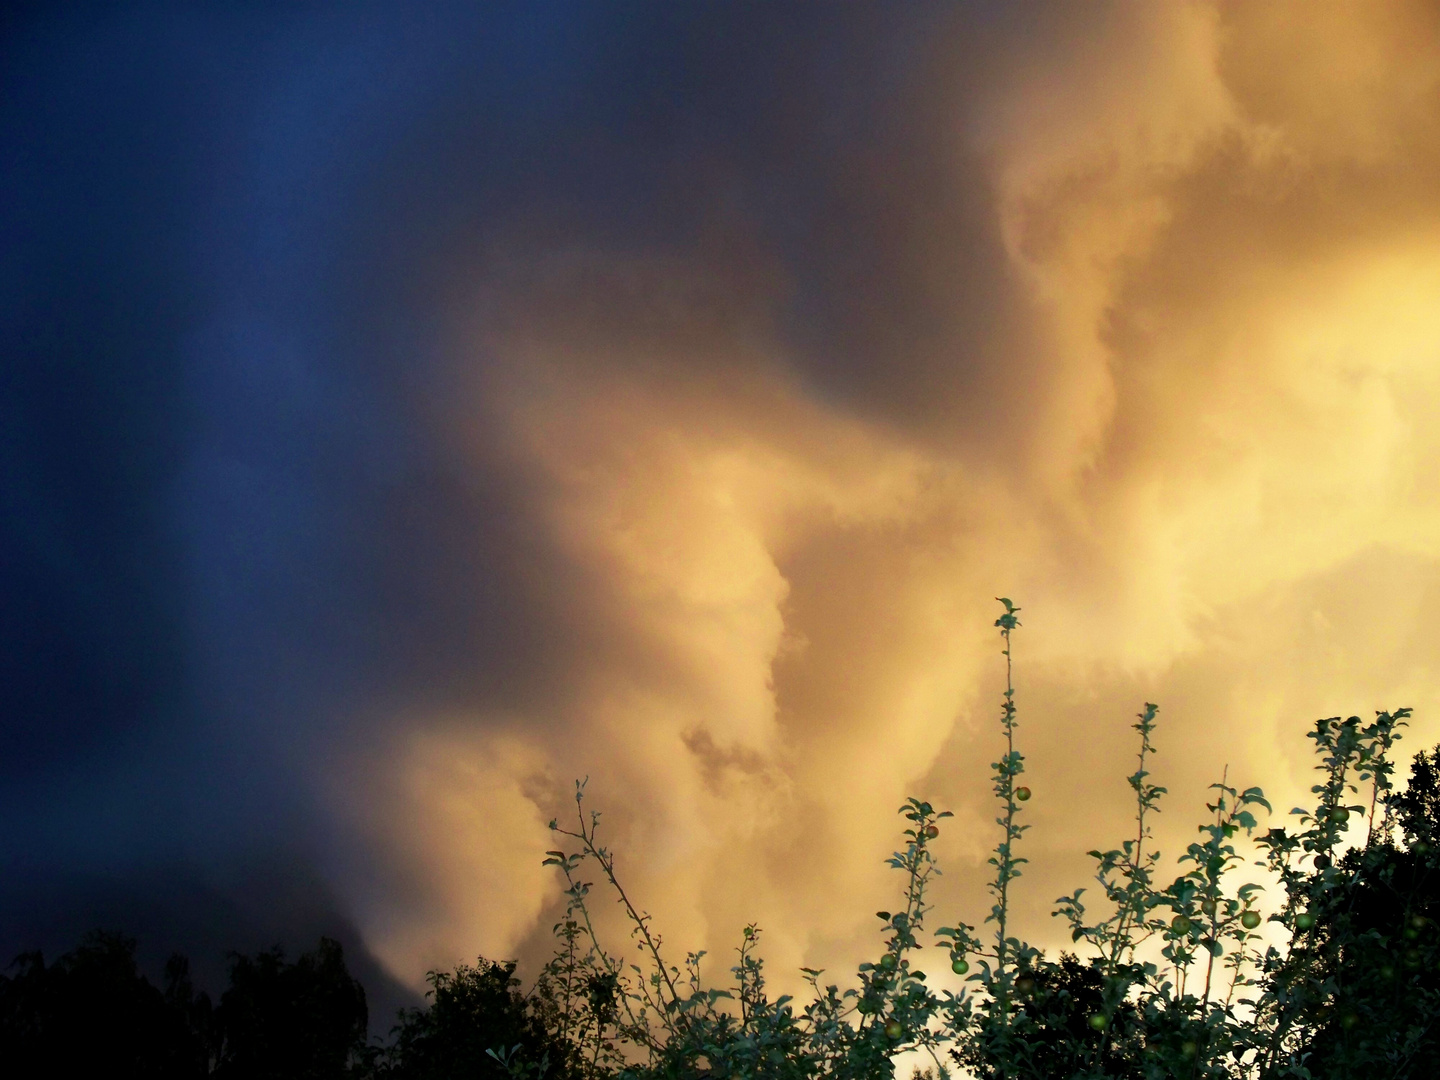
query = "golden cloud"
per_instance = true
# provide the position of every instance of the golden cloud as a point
(1212, 483)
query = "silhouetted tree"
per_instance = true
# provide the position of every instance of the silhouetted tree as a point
(473, 1011)
(1417, 806)
(1371, 970)
(1055, 1018)
(91, 1013)
(305, 1020)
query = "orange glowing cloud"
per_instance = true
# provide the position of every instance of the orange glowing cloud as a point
(1206, 469)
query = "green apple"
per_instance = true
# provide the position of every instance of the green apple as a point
(1208, 906)
(959, 965)
(893, 1030)
(1304, 921)
(932, 831)
(1022, 794)
(888, 961)
(1180, 924)
(1250, 920)
(1098, 1021)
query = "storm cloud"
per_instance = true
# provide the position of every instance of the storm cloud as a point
(406, 413)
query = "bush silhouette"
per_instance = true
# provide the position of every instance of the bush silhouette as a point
(91, 1013)
(305, 1019)
(477, 1023)
(1181, 981)
(1366, 981)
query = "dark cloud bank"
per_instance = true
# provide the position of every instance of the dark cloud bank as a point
(335, 338)
(232, 240)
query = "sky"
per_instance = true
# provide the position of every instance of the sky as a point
(407, 411)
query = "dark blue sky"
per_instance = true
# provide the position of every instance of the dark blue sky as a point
(232, 238)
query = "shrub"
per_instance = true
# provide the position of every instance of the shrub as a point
(1179, 980)
(281, 1019)
(91, 1013)
(479, 1024)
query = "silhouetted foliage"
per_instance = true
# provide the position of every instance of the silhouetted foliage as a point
(91, 1013)
(1418, 806)
(1069, 1019)
(1367, 976)
(478, 1025)
(305, 1019)
(1183, 983)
